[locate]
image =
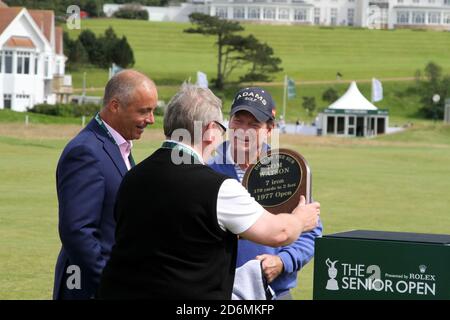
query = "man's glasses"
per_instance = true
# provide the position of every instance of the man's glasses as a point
(223, 129)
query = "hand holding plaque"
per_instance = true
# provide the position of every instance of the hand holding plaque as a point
(278, 180)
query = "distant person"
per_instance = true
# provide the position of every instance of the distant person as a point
(297, 126)
(88, 176)
(280, 264)
(182, 244)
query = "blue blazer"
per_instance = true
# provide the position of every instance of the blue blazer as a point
(88, 176)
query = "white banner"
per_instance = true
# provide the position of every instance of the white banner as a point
(202, 80)
(377, 90)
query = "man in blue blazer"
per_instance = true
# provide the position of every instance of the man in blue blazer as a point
(88, 176)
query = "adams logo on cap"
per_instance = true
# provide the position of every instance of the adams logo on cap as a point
(250, 96)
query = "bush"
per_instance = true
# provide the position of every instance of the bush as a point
(131, 12)
(66, 110)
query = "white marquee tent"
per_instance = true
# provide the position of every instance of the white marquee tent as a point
(353, 115)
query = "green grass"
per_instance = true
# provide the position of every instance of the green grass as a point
(8, 116)
(170, 56)
(400, 183)
(402, 108)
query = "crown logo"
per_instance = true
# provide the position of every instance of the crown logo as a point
(422, 268)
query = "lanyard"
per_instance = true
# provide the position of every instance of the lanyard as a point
(173, 145)
(102, 125)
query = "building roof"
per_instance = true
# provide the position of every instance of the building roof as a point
(352, 99)
(44, 20)
(22, 42)
(7, 15)
(59, 40)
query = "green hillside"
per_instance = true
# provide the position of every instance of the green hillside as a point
(168, 55)
(311, 55)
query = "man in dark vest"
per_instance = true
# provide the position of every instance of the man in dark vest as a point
(177, 219)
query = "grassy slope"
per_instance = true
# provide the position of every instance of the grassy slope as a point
(167, 54)
(170, 56)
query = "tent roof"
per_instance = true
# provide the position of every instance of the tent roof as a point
(352, 100)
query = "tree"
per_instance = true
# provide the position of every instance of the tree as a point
(309, 103)
(74, 50)
(122, 54)
(95, 51)
(433, 83)
(330, 95)
(261, 59)
(102, 51)
(108, 42)
(235, 50)
(223, 30)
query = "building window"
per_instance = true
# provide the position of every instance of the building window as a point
(269, 13)
(403, 17)
(19, 64)
(238, 13)
(330, 125)
(333, 16)
(399, 1)
(316, 15)
(351, 16)
(340, 125)
(434, 17)
(8, 62)
(447, 2)
(447, 18)
(351, 121)
(283, 14)
(416, 1)
(254, 13)
(418, 17)
(222, 12)
(431, 1)
(7, 101)
(36, 61)
(300, 15)
(23, 62)
(27, 65)
(46, 68)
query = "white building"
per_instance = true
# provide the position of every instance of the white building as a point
(179, 13)
(32, 63)
(361, 13)
(433, 14)
(353, 115)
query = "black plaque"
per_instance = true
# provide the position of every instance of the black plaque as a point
(278, 180)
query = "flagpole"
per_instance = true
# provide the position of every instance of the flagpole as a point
(284, 97)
